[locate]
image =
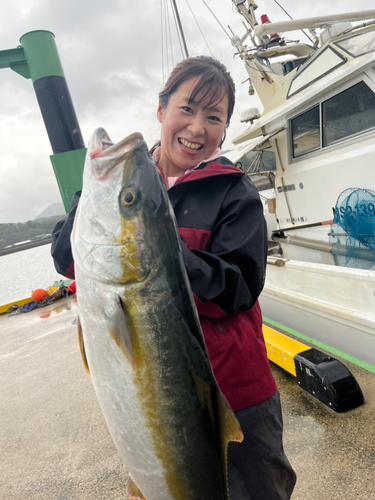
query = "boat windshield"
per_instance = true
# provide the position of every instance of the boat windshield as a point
(358, 45)
(322, 64)
(259, 161)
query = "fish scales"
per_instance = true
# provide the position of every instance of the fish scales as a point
(141, 333)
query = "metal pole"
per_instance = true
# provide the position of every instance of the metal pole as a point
(51, 89)
(180, 28)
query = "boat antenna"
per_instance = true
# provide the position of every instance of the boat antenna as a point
(180, 28)
(282, 8)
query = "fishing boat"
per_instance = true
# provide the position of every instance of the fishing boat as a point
(311, 153)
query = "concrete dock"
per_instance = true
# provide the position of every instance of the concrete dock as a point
(55, 444)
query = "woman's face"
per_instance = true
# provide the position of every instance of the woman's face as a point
(190, 132)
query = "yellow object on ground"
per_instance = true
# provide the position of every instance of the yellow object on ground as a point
(282, 349)
(51, 289)
(5, 307)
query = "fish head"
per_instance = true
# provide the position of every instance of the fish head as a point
(123, 212)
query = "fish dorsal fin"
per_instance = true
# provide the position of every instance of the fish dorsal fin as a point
(82, 346)
(118, 330)
(133, 490)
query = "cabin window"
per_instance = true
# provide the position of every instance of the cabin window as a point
(306, 132)
(344, 115)
(348, 113)
(359, 44)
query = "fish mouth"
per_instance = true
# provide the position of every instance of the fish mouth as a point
(103, 146)
(107, 157)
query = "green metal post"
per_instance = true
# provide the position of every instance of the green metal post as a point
(41, 54)
(37, 58)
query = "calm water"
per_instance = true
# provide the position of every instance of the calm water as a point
(22, 272)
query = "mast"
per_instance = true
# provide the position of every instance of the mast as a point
(247, 12)
(180, 28)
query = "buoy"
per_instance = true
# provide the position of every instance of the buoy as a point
(51, 289)
(38, 294)
(72, 287)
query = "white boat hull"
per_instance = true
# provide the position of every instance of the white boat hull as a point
(333, 305)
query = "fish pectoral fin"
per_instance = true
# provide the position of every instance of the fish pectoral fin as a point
(230, 427)
(118, 330)
(133, 490)
(82, 346)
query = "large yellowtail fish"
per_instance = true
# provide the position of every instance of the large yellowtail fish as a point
(140, 330)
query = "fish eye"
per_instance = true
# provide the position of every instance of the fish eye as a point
(128, 198)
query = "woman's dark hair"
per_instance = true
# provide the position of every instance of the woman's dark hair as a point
(214, 81)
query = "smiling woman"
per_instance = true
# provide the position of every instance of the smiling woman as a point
(222, 231)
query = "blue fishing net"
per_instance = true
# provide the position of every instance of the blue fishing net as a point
(352, 236)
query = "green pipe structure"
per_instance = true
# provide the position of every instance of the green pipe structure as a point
(37, 59)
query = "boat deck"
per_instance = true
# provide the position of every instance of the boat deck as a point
(55, 445)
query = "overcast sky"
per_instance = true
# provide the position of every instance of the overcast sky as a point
(111, 53)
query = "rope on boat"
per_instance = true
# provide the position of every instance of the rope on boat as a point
(222, 27)
(195, 19)
(282, 8)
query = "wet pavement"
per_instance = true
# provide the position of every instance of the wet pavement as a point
(54, 443)
(332, 453)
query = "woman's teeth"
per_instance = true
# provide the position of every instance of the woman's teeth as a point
(190, 145)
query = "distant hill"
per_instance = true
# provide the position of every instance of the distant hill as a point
(52, 211)
(33, 230)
